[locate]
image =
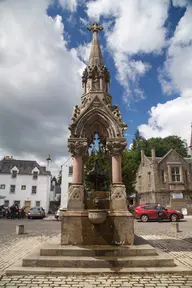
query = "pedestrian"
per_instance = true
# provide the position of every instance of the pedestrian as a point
(13, 211)
(159, 212)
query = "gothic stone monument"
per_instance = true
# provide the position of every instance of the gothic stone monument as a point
(95, 114)
(96, 240)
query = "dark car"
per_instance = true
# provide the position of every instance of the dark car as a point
(36, 212)
(147, 212)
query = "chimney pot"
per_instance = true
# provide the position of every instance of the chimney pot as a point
(153, 155)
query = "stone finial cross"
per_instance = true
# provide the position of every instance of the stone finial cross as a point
(95, 27)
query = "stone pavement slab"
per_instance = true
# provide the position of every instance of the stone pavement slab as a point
(17, 247)
(103, 281)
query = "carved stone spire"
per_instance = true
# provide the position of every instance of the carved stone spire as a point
(95, 57)
(96, 76)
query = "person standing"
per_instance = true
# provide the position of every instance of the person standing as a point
(13, 211)
(159, 212)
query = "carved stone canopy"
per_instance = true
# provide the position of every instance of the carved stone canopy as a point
(115, 146)
(78, 146)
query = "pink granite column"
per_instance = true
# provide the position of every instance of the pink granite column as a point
(77, 170)
(116, 170)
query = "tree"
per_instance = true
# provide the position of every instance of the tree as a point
(103, 163)
(137, 139)
(130, 164)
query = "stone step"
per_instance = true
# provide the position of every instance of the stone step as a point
(19, 270)
(98, 262)
(92, 251)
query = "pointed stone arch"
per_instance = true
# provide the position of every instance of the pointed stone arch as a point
(97, 120)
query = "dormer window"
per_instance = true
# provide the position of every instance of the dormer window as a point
(35, 175)
(14, 174)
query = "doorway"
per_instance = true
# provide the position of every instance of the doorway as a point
(28, 206)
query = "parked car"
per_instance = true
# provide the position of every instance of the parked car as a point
(148, 212)
(59, 213)
(36, 212)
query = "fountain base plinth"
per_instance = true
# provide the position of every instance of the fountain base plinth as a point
(77, 229)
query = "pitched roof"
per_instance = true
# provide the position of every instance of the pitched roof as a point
(24, 166)
(159, 159)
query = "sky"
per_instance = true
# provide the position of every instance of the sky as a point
(44, 47)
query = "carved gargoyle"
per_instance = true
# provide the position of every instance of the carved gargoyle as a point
(117, 113)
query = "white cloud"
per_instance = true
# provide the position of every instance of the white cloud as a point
(180, 3)
(39, 81)
(71, 5)
(174, 116)
(171, 118)
(138, 28)
(83, 51)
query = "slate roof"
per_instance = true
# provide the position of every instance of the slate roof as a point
(24, 166)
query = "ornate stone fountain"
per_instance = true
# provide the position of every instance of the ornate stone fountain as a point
(96, 232)
(82, 224)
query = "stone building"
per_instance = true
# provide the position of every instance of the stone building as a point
(166, 180)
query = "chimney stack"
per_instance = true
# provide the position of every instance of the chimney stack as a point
(49, 160)
(142, 156)
(153, 155)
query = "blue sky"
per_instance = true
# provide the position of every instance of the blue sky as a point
(146, 46)
(135, 112)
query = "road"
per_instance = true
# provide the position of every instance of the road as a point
(38, 226)
(164, 228)
(43, 227)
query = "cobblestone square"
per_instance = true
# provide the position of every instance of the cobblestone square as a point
(159, 235)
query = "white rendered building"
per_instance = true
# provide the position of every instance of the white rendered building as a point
(67, 173)
(24, 183)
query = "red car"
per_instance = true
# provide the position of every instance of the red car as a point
(147, 212)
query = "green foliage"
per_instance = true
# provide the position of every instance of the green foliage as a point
(130, 164)
(103, 162)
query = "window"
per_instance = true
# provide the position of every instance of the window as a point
(149, 207)
(35, 175)
(162, 176)
(14, 174)
(70, 170)
(17, 203)
(175, 174)
(23, 187)
(2, 186)
(69, 184)
(12, 188)
(37, 204)
(149, 174)
(6, 203)
(34, 190)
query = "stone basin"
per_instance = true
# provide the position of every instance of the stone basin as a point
(97, 216)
